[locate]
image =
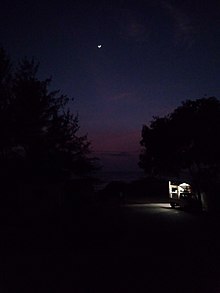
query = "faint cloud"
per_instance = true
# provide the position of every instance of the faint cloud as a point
(116, 142)
(121, 96)
(132, 27)
(184, 27)
(118, 154)
(139, 24)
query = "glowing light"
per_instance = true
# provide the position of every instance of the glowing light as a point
(149, 205)
(99, 46)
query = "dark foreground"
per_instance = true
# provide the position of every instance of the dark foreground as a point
(133, 248)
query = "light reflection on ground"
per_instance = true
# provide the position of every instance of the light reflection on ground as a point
(162, 208)
(150, 205)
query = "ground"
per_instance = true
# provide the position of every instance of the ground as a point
(117, 248)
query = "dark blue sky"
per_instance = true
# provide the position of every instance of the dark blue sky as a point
(154, 54)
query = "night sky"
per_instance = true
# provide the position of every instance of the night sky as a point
(154, 55)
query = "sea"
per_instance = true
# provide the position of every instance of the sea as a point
(106, 177)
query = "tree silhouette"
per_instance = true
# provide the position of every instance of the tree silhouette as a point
(186, 139)
(37, 128)
(5, 102)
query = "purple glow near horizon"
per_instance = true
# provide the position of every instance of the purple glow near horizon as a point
(154, 54)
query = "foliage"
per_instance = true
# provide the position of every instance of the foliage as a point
(5, 99)
(38, 132)
(186, 139)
